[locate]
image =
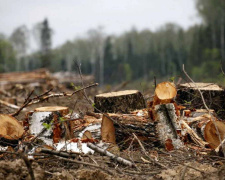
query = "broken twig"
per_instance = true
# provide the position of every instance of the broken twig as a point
(112, 156)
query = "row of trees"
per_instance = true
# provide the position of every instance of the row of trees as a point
(134, 54)
(14, 49)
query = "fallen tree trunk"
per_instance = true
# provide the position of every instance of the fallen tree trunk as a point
(121, 101)
(11, 130)
(127, 124)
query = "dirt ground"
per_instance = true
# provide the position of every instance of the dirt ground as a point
(185, 164)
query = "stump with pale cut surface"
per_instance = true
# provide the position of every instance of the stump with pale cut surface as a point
(121, 101)
(214, 96)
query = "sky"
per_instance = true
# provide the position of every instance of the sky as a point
(73, 18)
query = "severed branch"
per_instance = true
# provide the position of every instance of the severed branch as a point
(112, 156)
(13, 106)
(26, 102)
(61, 94)
(43, 97)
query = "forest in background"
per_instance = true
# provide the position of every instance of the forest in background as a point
(133, 55)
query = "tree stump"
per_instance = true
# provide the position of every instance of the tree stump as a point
(121, 101)
(11, 130)
(46, 123)
(214, 96)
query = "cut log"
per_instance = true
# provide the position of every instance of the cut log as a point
(211, 135)
(165, 92)
(206, 129)
(121, 101)
(46, 123)
(11, 130)
(127, 124)
(214, 96)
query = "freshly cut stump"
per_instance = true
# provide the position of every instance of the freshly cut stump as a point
(11, 130)
(165, 92)
(121, 101)
(46, 123)
(214, 96)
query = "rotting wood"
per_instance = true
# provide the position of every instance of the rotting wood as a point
(121, 101)
(112, 156)
(11, 130)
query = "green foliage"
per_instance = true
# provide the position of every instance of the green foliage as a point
(7, 56)
(137, 55)
(47, 126)
(171, 79)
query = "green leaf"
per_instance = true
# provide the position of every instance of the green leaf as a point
(93, 105)
(47, 126)
(187, 102)
(172, 79)
(62, 119)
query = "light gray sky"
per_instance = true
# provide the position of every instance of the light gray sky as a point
(73, 18)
